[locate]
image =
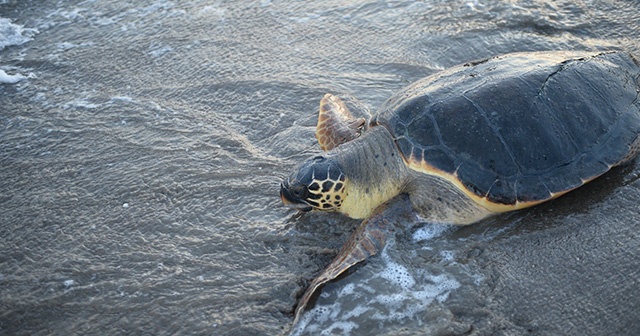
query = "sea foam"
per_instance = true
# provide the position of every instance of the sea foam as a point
(12, 79)
(13, 34)
(394, 291)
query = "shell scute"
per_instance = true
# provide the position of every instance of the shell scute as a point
(405, 146)
(422, 130)
(531, 189)
(417, 154)
(502, 192)
(467, 131)
(475, 178)
(439, 159)
(588, 166)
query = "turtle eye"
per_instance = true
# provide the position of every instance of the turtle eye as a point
(299, 191)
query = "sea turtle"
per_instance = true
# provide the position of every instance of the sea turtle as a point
(486, 137)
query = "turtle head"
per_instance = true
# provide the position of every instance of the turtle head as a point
(317, 184)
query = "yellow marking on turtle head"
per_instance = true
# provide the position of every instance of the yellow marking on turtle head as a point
(327, 195)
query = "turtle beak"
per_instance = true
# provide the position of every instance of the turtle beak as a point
(290, 201)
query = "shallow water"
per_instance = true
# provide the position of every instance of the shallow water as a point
(142, 145)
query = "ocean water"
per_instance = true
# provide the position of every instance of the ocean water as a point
(142, 144)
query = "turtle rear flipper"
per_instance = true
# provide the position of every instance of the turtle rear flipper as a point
(368, 239)
(336, 124)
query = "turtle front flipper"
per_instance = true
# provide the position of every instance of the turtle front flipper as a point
(368, 239)
(336, 125)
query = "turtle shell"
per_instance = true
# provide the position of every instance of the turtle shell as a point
(519, 129)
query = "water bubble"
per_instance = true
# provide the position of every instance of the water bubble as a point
(447, 255)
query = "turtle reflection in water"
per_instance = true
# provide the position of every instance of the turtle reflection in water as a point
(478, 139)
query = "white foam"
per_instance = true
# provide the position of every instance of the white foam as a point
(478, 279)
(12, 79)
(345, 327)
(417, 290)
(356, 311)
(80, 103)
(347, 290)
(105, 21)
(447, 255)
(395, 293)
(12, 34)
(473, 5)
(444, 285)
(430, 231)
(159, 6)
(41, 98)
(213, 10)
(157, 50)
(397, 274)
(64, 46)
(321, 316)
(125, 99)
